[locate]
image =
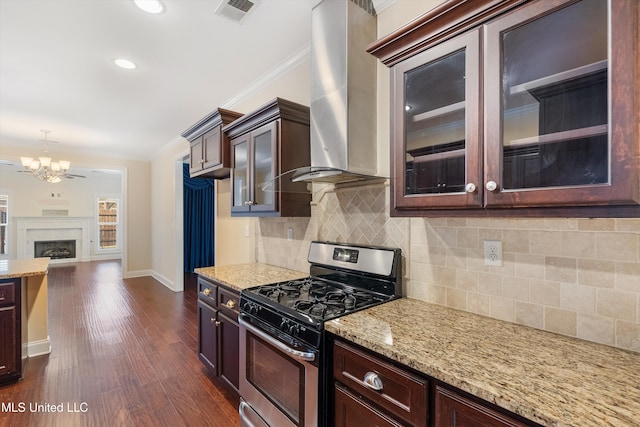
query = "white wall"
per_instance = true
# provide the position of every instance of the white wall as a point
(235, 236)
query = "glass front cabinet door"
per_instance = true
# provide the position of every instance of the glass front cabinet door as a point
(516, 105)
(254, 165)
(437, 97)
(553, 125)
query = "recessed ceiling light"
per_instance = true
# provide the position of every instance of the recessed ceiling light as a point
(124, 63)
(150, 6)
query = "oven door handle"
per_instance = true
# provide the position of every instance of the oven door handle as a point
(296, 354)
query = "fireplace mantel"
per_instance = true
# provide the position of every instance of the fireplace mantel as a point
(30, 229)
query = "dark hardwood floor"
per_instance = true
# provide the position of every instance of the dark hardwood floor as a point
(124, 353)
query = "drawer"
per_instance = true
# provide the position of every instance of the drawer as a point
(353, 411)
(395, 390)
(7, 293)
(207, 291)
(451, 409)
(228, 301)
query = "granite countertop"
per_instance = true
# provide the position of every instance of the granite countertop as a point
(550, 379)
(11, 268)
(242, 276)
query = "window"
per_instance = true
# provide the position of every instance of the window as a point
(108, 223)
(4, 223)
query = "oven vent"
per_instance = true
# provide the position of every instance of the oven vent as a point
(236, 10)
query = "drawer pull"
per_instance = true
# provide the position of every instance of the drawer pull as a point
(373, 381)
(206, 292)
(230, 304)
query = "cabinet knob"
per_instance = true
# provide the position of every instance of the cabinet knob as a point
(470, 188)
(373, 381)
(491, 186)
(248, 203)
(230, 304)
(217, 323)
(206, 292)
(213, 321)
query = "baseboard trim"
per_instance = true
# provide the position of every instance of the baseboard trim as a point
(39, 348)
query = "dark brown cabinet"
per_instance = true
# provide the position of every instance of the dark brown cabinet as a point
(373, 391)
(264, 144)
(515, 104)
(454, 410)
(218, 333)
(376, 392)
(12, 330)
(209, 147)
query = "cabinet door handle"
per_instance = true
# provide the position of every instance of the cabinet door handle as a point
(491, 186)
(230, 304)
(373, 381)
(470, 188)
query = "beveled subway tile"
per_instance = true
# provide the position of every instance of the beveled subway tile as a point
(596, 224)
(560, 269)
(577, 244)
(617, 304)
(503, 308)
(545, 292)
(628, 335)
(561, 321)
(595, 328)
(479, 303)
(598, 273)
(617, 246)
(578, 298)
(530, 314)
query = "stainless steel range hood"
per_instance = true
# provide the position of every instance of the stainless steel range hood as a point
(343, 93)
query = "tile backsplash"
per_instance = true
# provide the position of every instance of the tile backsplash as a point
(576, 277)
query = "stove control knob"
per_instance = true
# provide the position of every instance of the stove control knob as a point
(294, 330)
(284, 325)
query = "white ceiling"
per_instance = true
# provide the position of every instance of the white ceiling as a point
(56, 69)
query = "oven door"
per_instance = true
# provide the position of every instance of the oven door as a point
(277, 382)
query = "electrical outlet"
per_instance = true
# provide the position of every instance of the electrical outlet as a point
(493, 253)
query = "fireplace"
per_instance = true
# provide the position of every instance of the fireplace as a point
(54, 249)
(30, 230)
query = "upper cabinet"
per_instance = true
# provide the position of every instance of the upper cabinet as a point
(264, 144)
(209, 147)
(530, 105)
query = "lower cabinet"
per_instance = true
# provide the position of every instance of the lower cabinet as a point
(370, 390)
(12, 330)
(454, 410)
(370, 387)
(218, 331)
(352, 410)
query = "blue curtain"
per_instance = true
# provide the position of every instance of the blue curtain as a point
(199, 217)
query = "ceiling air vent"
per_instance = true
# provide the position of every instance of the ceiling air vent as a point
(236, 10)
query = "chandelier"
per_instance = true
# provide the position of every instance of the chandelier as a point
(43, 167)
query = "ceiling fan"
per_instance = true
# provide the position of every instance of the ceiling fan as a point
(46, 169)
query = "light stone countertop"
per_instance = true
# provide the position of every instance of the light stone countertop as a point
(11, 268)
(242, 276)
(550, 379)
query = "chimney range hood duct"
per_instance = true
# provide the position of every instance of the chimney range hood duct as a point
(343, 93)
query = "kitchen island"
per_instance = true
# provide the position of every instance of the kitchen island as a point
(25, 308)
(547, 378)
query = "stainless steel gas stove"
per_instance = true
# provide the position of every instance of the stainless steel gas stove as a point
(282, 357)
